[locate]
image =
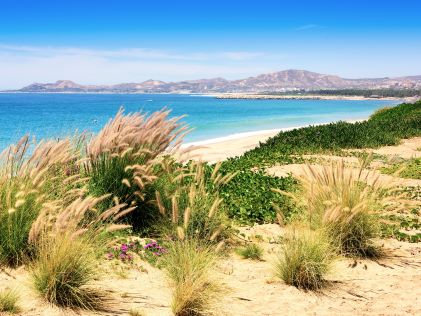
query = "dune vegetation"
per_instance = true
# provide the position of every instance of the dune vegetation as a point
(70, 207)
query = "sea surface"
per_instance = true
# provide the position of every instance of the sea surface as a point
(58, 115)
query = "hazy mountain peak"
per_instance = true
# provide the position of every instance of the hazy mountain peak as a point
(289, 79)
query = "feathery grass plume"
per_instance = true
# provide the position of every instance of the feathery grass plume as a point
(305, 259)
(8, 301)
(188, 265)
(188, 199)
(347, 202)
(124, 151)
(79, 217)
(28, 180)
(64, 268)
(251, 251)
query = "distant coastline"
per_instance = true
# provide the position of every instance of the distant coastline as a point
(249, 96)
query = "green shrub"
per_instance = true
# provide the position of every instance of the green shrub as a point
(379, 130)
(251, 251)
(8, 301)
(249, 198)
(306, 258)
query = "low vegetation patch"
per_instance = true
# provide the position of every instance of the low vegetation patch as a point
(305, 259)
(251, 251)
(410, 169)
(9, 301)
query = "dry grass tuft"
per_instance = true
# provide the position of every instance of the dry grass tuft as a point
(251, 251)
(63, 270)
(347, 203)
(305, 259)
(188, 265)
(8, 302)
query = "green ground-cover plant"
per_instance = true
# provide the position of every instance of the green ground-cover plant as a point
(251, 251)
(249, 198)
(410, 168)
(305, 259)
(9, 301)
(379, 130)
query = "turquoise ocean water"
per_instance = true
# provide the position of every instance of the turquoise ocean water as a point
(57, 115)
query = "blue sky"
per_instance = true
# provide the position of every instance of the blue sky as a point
(104, 42)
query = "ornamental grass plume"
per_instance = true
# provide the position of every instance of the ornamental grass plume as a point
(348, 202)
(122, 156)
(190, 205)
(31, 178)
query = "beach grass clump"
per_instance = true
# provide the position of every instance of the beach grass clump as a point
(63, 270)
(9, 301)
(120, 158)
(347, 203)
(189, 200)
(251, 251)
(188, 265)
(305, 259)
(29, 180)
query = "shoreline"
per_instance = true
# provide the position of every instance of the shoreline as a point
(221, 148)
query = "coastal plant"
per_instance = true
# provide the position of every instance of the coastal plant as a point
(8, 301)
(305, 259)
(379, 130)
(347, 203)
(64, 268)
(188, 265)
(29, 180)
(120, 157)
(410, 168)
(150, 251)
(189, 201)
(251, 251)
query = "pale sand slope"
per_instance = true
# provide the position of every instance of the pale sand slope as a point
(222, 150)
(218, 151)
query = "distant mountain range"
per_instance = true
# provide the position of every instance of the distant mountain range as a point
(286, 80)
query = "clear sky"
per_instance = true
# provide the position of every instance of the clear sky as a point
(103, 42)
